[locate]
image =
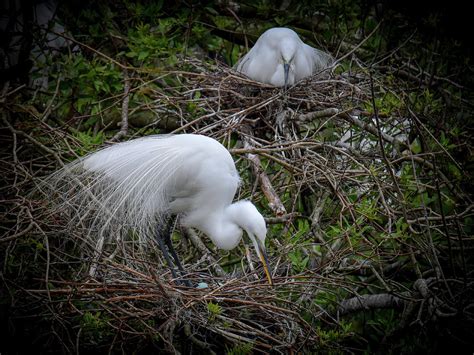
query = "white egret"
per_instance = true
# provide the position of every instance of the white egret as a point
(281, 58)
(139, 184)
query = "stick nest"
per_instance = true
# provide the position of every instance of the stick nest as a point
(334, 164)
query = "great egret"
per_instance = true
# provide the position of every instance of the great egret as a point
(139, 184)
(281, 58)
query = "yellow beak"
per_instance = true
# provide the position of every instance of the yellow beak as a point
(265, 263)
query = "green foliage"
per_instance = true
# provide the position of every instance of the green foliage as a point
(331, 337)
(95, 326)
(86, 84)
(240, 349)
(425, 102)
(387, 104)
(378, 325)
(148, 13)
(214, 310)
(299, 261)
(326, 299)
(155, 46)
(89, 141)
(368, 208)
(158, 37)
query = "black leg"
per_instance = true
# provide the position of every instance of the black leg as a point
(175, 256)
(164, 237)
(176, 259)
(160, 238)
(173, 252)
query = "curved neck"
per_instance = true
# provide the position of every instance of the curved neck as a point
(221, 228)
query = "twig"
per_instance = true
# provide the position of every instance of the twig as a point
(274, 201)
(99, 53)
(201, 344)
(32, 140)
(126, 98)
(317, 114)
(358, 45)
(19, 234)
(371, 129)
(199, 245)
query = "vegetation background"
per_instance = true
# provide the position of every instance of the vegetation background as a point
(365, 178)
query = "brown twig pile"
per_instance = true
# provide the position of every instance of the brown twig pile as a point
(328, 170)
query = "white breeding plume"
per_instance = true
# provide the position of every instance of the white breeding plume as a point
(137, 185)
(281, 58)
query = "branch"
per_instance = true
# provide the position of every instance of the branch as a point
(328, 112)
(124, 124)
(32, 140)
(199, 245)
(274, 201)
(367, 302)
(372, 129)
(200, 344)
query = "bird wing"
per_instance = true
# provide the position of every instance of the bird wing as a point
(206, 182)
(319, 59)
(259, 64)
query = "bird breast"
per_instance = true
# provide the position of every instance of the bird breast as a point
(278, 77)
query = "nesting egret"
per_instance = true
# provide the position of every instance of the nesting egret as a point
(281, 58)
(139, 184)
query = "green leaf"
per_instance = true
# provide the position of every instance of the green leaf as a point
(143, 55)
(416, 146)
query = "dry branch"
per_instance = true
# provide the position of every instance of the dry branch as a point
(125, 102)
(274, 201)
(368, 302)
(320, 164)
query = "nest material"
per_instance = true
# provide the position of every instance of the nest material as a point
(316, 153)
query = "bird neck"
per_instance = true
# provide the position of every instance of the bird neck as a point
(221, 228)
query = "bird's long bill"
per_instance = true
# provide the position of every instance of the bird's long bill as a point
(265, 263)
(286, 68)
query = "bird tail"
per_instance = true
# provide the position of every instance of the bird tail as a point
(118, 191)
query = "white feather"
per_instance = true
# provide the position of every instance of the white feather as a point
(134, 186)
(276, 46)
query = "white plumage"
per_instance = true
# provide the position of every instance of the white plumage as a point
(281, 58)
(138, 184)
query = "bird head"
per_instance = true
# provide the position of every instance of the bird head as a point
(288, 49)
(246, 215)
